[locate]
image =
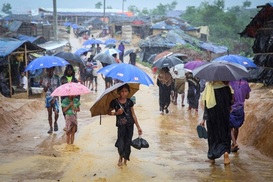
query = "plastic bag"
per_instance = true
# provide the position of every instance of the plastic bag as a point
(139, 143)
(144, 143)
(136, 143)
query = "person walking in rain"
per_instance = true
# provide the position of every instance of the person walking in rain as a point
(89, 73)
(218, 98)
(164, 82)
(193, 94)
(95, 66)
(69, 76)
(122, 49)
(125, 119)
(98, 49)
(132, 58)
(108, 80)
(50, 83)
(179, 83)
(71, 106)
(237, 116)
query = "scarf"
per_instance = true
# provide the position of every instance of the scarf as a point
(209, 95)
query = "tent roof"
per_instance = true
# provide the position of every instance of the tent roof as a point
(9, 45)
(263, 16)
(29, 38)
(174, 37)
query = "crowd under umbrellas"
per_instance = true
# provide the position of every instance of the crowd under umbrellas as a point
(225, 68)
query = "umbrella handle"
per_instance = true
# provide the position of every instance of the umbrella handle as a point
(100, 119)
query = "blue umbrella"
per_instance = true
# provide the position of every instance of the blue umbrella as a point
(67, 24)
(75, 26)
(92, 41)
(244, 61)
(45, 62)
(82, 50)
(110, 41)
(126, 73)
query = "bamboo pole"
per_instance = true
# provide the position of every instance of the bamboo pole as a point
(25, 52)
(10, 82)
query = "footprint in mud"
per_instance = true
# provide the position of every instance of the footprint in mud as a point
(71, 148)
(100, 180)
(66, 148)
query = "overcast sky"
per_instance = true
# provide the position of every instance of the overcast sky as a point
(19, 5)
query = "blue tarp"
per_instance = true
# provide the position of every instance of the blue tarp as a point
(29, 38)
(9, 45)
(177, 36)
(213, 48)
(163, 26)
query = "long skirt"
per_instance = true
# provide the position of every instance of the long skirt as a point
(218, 124)
(70, 121)
(124, 140)
(164, 96)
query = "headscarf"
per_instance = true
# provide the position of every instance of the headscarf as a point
(209, 95)
(165, 77)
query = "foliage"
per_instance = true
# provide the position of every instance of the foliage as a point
(98, 5)
(224, 24)
(161, 9)
(6, 8)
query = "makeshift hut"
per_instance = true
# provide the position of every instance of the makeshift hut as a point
(260, 28)
(169, 39)
(14, 57)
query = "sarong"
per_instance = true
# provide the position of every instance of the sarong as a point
(70, 121)
(179, 85)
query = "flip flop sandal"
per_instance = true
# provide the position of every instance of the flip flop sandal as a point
(49, 131)
(56, 127)
(234, 149)
(202, 132)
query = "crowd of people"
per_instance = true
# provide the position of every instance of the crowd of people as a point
(70, 105)
(223, 103)
(223, 106)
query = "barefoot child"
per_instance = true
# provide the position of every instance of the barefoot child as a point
(125, 120)
(71, 106)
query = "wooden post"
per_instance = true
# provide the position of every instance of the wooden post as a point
(25, 52)
(10, 82)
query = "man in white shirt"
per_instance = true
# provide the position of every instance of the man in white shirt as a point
(23, 82)
(179, 83)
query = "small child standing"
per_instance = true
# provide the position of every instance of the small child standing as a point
(70, 106)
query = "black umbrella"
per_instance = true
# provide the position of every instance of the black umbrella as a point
(72, 58)
(221, 71)
(151, 58)
(111, 45)
(168, 61)
(105, 58)
(128, 52)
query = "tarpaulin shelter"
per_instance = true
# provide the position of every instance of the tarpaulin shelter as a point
(260, 28)
(168, 39)
(13, 55)
(34, 40)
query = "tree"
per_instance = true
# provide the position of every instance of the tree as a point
(98, 5)
(133, 9)
(224, 25)
(6, 8)
(246, 4)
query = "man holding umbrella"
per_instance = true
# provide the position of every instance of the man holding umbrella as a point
(50, 83)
